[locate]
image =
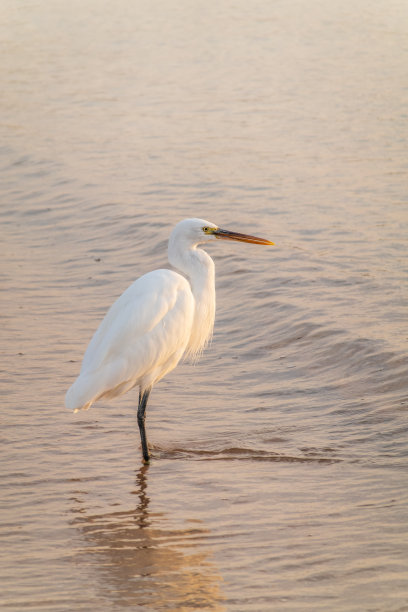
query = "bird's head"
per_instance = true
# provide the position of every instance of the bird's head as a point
(198, 231)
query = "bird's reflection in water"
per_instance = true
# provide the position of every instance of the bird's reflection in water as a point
(141, 563)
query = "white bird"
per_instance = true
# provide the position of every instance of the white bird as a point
(162, 316)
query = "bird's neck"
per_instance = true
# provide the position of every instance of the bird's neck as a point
(198, 266)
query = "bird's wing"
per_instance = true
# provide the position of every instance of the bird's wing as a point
(139, 310)
(143, 336)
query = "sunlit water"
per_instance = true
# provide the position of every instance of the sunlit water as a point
(279, 478)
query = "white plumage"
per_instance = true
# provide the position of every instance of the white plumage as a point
(159, 318)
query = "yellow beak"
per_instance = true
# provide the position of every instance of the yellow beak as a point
(227, 235)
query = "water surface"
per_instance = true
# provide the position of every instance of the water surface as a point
(279, 478)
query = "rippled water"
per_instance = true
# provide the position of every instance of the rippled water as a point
(279, 479)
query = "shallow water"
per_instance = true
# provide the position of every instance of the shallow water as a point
(279, 478)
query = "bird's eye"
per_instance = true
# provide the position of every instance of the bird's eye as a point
(206, 229)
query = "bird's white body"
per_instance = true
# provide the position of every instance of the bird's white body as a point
(157, 320)
(161, 317)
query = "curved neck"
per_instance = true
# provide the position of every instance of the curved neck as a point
(198, 266)
(195, 263)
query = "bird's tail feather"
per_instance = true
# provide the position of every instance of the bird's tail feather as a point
(81, 394)
(88, 388)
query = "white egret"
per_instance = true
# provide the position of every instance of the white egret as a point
(161, 317)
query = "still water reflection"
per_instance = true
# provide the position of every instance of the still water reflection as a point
(140, 563)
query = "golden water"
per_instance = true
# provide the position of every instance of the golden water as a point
(279, 478)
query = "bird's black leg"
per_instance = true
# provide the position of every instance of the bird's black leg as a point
(141, 415)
